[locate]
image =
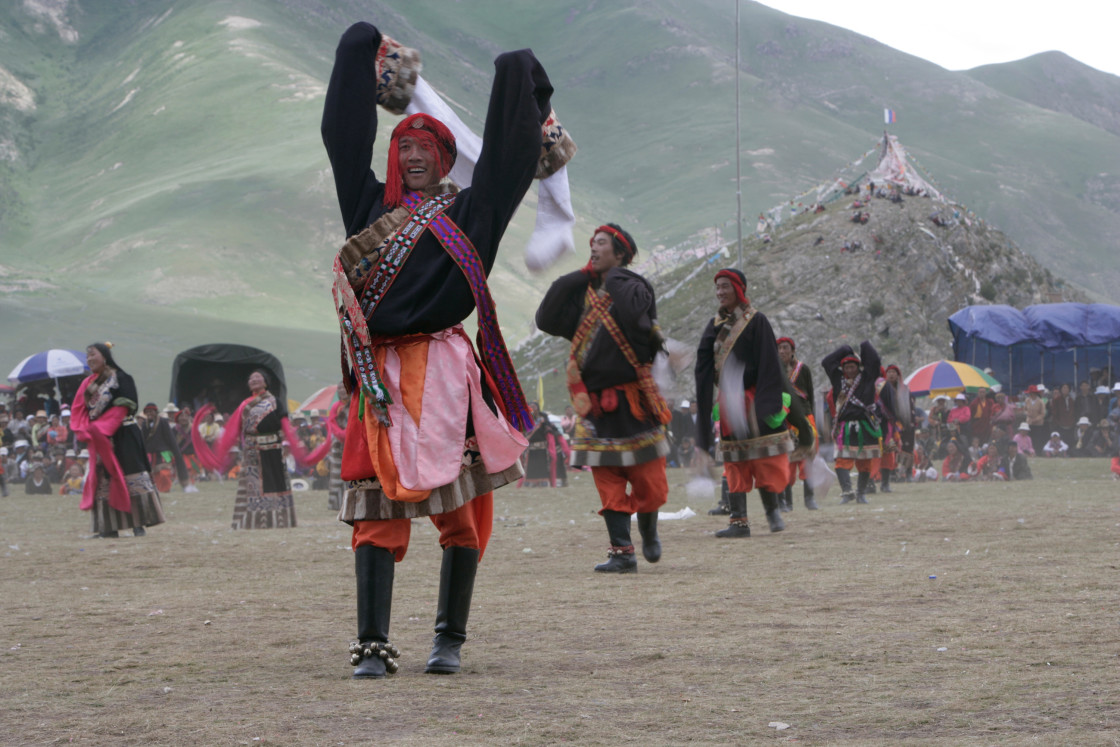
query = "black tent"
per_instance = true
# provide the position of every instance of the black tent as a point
(219, 374)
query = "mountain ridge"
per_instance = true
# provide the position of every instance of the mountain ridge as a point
(173, 156)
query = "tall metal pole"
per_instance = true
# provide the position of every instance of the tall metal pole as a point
(738, 158)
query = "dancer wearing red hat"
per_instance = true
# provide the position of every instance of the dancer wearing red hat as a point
(738, 355)
(801, 382)
(433, 425)
(855, 427)
(608, 313)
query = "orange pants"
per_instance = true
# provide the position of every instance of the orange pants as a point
(467, 526)
(163, 480)
(649, 487)
(768, 473)
(798, 471)
(861, 465)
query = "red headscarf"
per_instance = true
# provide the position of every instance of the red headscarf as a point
(738, 282)
(618, 236)
(787, 341)
(433, 135)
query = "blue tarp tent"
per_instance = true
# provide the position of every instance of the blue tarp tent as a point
(1047, 344)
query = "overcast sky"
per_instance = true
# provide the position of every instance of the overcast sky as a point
(961, 34)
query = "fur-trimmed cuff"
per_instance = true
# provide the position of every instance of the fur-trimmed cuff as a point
(398, 67)
(557, 147)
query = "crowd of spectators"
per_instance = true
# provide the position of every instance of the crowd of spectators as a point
(990, 436)
(40, 455)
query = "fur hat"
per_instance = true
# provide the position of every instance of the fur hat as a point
(398, 69)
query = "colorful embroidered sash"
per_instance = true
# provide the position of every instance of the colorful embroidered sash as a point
(729, 335)
(353, 313)
(598, 313)
(491, 345)
(793, 374)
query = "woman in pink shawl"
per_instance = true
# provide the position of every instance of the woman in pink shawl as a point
(119, 493)
(264, 492)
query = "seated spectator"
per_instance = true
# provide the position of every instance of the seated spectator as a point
(1101, 442)
(987, 467)
(1015, 465)
(37, 482)
(1000, 439)
(1081, 434)
(975, 450)
(74, 481)
(1056, 447)
(961, 414)
(1022, 439)
(955, 466)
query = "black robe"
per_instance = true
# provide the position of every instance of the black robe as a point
(757, 350)
(633, 307)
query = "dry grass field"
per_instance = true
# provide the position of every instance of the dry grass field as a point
(941, 614)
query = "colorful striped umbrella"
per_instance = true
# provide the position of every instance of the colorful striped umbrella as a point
(320, 400)
(948, 377)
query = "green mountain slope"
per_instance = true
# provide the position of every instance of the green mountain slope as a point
(1056, 81)
(169, 159)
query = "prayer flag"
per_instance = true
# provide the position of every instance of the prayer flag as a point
(540, 392)
(888, 116)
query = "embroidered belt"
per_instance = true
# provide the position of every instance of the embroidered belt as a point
(268, 438)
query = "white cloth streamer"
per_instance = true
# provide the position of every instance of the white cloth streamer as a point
(552, 233)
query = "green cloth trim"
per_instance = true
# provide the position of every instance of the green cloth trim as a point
(775, 421)
(126, 403)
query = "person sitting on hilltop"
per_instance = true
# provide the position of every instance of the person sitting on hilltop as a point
(1056, 447)
(856, 217)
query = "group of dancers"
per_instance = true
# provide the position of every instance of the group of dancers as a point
(435, 422)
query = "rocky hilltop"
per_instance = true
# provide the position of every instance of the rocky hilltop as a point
(825, 280)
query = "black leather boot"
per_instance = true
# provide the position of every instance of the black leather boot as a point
(773, 515)
(372, 654)
(620, 557)
(651, 543)
(138, 532)
(738, 526)
(886, 481)
(785, 500)
(723, 508)
(864, 480)
(810, 499)
(844, 477)
(456, 586)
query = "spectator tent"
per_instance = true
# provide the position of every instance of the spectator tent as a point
(219, 373)
(1046, 344)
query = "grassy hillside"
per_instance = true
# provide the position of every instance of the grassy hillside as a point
(169, 158)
